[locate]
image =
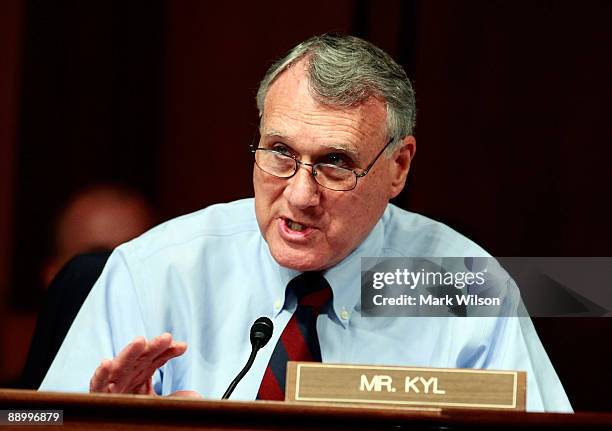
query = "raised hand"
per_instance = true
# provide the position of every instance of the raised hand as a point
(131, 372)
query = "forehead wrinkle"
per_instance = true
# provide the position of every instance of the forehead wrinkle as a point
(341, 129)
(330, 139)
(274, 133)
(342, 123)
(333, 146)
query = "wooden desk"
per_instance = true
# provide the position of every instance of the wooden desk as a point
(120, 412)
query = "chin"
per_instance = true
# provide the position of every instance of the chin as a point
(299, 261)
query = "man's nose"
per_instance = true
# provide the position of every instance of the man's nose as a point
(302, 190)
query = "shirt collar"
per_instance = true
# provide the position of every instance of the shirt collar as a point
(345, 277)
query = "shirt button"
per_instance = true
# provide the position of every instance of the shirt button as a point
(277, 304)
(344, 315)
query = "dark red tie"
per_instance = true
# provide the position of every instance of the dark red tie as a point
(299, 340)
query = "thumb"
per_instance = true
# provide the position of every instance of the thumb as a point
(185, 394)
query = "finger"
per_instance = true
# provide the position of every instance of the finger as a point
(146, 389)
(100, 380)
(157, 346)
(176, 349)
(130, 355)
(145, 375)
(151, 349)
(133, 368)
(126, 365)
(141, 373)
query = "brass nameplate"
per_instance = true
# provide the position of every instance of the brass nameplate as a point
(406, 386)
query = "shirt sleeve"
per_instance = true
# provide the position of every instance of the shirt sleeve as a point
(109, 319)
(515, 345)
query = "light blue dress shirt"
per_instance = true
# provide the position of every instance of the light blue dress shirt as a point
(205, 277)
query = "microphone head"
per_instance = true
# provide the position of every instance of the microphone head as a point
(261, 332)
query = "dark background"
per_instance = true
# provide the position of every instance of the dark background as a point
(513, 126)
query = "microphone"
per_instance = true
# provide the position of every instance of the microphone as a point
(261, 332)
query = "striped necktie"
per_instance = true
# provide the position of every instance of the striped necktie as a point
(299, 340)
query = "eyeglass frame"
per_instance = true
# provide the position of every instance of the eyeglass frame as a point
(358, 175)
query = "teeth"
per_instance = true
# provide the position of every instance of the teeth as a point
(295, 226)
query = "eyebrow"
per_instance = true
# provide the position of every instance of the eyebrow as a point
(348, 149)
(274, 133)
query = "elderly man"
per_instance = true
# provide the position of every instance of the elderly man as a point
(337, 118)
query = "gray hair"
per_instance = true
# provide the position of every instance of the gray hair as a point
(345, 71)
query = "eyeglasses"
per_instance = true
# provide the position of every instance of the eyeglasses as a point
(330, 176)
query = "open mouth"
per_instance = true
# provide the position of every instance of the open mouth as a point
(296, 233)
(294, 230)
(295, 226)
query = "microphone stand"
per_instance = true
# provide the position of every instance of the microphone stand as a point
(241, 374)
(261, 332)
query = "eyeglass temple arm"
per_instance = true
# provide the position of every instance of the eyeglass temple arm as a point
(366, 170)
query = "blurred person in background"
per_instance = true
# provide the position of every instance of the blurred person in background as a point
(94, 221)
(98, 217)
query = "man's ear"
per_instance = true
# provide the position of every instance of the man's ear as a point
(400, 164)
